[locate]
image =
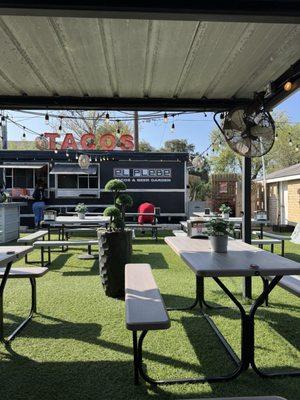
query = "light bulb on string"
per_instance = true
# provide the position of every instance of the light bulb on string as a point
(60, 126)
(107, 118)
(276, 136)
(205, 115)
(76, 157)
(47, 118)
(67, 154)
(165, 117)
(173, 127)
(290, 142)
(297, 147)
(55, 151)
(3, 118)
(24, 134)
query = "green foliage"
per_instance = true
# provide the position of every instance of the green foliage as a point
(121, 201)
(124, 200)
(112, 212)
(145, 147)
(280, 156)
(116, 221)
(178, 146)
(218, 227)
(199, 190)
(81, 208)
(224, 208)
(115, 185)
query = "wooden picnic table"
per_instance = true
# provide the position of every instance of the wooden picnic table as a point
(241, 260)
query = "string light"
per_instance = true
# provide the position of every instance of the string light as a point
(47, 118)
(288, 86)
(24, 134)
(290, 141)
(165, 117)
(60, 126)
(297, 147)
(3, 118)
(107, 118)
(55, 151)
(67, 154)
(205, 115)
(76, 157)
(173, 127)
(276, 136)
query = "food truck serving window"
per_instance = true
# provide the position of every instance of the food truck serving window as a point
(71, 176)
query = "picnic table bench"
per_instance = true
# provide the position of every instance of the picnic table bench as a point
(145, 310)
(28, 240)
(49, 244)
(247, 398)
(7, 256)
(153, 227)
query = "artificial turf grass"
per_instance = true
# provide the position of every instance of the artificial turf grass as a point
(77, 346)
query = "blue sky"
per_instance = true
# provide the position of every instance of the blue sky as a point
(193, 127)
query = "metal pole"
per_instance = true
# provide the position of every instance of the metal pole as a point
(246, 225)
(136, 130)
(4, 134)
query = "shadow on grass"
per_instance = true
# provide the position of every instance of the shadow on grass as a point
(59, 262)
(87, 271)
(157, 260)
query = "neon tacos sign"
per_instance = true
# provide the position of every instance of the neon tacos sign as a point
(89, 141)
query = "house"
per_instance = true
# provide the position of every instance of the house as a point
(283, 195)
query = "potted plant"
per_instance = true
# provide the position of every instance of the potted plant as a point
(115, 243)
(225, 210)
(218, 230)
(81, 209)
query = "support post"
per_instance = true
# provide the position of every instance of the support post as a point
(136, 131)
(4, 134)
(246, 226)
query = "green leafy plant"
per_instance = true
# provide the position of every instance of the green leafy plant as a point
(219, 227)
(225, 209)
(121, 202)
(81, 208)
(115, 216)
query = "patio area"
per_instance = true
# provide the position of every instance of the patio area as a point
(78, 347)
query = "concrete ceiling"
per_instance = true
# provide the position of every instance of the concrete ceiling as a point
(78, 57)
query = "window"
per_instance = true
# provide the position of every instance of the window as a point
(23, 178)
(77, 181)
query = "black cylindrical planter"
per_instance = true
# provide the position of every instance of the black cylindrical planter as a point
(115, 249)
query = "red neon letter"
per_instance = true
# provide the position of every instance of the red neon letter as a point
(107, 141)
(52, 139)
(126, 142)
(87, 141)
(69, 142)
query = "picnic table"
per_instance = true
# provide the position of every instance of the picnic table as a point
(241, 260)
(8, 255)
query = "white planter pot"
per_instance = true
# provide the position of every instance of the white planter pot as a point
(81, 215)
(225, 215)
(219, 243)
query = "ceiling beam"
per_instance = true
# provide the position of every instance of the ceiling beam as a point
(271, 11)
(277, 93)
(116, 103)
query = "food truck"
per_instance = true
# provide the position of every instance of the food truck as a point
(159, 178)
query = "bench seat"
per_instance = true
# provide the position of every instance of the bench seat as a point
(32, 237)
(25, 272)
(60, 243)
(143, 226)
(289, 283)
(145, 308)
(179, 233)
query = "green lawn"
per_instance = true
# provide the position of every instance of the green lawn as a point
(77, 347)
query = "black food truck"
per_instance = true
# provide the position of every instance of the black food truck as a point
(159, 178)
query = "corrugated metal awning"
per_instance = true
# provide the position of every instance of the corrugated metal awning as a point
(86, 58)
(22, 165)
(68, 169)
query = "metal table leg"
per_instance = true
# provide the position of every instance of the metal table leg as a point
(31, 313)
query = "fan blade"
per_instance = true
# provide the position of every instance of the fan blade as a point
(243, 146)
(237, 120)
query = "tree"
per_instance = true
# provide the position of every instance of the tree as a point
(146, 147)
(178, 146)
(280, 156)
(78, 122)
